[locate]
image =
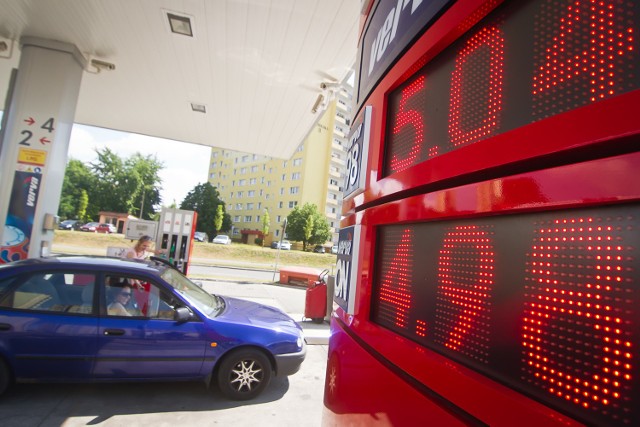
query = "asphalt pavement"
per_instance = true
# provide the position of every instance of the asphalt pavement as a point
(291, 401)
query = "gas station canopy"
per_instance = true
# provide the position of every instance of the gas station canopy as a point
(236, 74)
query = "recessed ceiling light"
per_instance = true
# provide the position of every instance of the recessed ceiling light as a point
(199, 108)
(180, 24)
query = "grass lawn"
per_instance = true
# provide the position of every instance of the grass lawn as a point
(236, 254)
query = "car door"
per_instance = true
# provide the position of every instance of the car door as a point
(146, 342)
(48, 326)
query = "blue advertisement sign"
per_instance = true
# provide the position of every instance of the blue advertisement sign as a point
(392, 27)
(347, 268)
(20, 216)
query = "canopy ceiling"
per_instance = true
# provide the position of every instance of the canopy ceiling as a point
(255, 65)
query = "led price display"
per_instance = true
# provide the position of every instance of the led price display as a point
(546, 303)
(526, 61)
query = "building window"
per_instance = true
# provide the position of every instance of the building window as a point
(295, 176)
(251, 193)
(278, 218)
(249, 206)
(247, 218)
(236, 218)
(239, 206)
(293, 204)
(243, 171)
(254, 168)
(294, 190)
(281, 191)
(245, 159)
(280, 205)
(259, 205)
(284, 164)
(257, 218)
(284, 176)
(242, 182)
(297, 162)
(240, 194)
(252, 181)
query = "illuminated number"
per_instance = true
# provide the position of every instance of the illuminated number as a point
(465, 284)
(48, 125)
(395, 291)
(575, 330)
(473, 113)
(28, 134)
(566, 57)
(354, 163)
(411, 118)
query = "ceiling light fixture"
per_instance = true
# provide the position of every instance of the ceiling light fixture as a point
(180, 24)
(198, 108)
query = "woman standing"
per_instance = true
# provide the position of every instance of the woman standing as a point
(141, 249)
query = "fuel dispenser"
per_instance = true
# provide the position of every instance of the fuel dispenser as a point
(176, 236)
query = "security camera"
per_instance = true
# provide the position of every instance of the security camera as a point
(103, 65)
(325, 85)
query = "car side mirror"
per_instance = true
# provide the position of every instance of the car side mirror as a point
(182, 314)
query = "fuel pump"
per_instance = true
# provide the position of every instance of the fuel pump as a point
(176, 236)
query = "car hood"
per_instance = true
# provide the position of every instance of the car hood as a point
(248, 312)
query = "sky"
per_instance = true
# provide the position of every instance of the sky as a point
(185, 165)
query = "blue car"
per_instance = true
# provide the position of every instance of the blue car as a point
(92, 319)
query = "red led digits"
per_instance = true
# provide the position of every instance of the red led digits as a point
(575, 338)
(412, 118)
(584, 44)
(395, 289)
(474, 112)
(465, 282)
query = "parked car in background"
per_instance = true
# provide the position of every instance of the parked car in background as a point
(319, 249)
(90, 226)
(64, 320)
(69, 224)
(200, 236)
(334, 249)
(284, 245)
(106, 228)
(222, 239)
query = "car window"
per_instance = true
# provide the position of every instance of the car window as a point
(128, 296)
(52, 291)
(209, 304)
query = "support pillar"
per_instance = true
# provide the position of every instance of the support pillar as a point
(34, 145)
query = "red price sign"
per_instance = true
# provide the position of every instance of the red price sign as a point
(526, 61)
(547, 303)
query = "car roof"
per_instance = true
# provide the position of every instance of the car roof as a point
(89, 262)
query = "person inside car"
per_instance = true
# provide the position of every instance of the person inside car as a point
(121, 295)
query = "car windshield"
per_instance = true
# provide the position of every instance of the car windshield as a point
(209, 304)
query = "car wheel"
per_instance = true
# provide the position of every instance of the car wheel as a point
(244, 374)
(5, 376)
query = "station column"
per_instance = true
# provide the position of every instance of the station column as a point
(33, 149)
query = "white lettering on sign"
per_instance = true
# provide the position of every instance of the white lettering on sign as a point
(387, 32)
(33, 187)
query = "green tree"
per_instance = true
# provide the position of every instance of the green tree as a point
(145, 171)
(126, 185)
(78, 179)
(204, 199)
(305, 224)
(266, 220)
(82, 205)
(219, 218)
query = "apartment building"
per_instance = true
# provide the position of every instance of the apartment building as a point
(250, 184)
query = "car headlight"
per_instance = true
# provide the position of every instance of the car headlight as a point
(299, 342)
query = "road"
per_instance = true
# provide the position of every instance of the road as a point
(197, 271)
